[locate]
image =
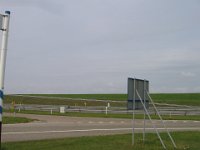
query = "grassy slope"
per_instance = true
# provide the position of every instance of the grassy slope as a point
(88, 96)
(181, 99)
(184, 140)
(54, 100)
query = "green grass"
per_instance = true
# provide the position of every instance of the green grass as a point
(184, 141)
(129, 116)
(180, 99)
(87, 96)
(55, 101)
(170, 98)
(13, 120)
(102, 115)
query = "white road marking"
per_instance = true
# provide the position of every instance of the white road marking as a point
(66, 131)
(196, 121)
(90, 130)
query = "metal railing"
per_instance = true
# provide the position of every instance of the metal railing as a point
(104, 109)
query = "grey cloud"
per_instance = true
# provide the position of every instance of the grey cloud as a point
(188, 74)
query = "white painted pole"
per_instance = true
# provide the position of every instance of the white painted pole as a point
(3, 52)
(106, 110)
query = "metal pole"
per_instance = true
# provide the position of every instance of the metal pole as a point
(133, 121)
(172, 140)
(152, 122)
(144, 126)
(3, 52)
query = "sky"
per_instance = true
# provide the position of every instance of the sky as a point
(93, 46)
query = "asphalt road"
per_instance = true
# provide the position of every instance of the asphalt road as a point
(49, 127)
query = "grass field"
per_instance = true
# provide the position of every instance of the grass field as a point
(54, 100)
(180, 99)
(13, 120)
(184, 141)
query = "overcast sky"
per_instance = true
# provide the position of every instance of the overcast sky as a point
(93, 46)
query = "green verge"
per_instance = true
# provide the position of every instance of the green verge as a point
(102, 115)
(184, 141)
(137, 116)
(192, 99)
(14, 120)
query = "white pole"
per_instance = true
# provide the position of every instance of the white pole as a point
(106, 110)
(3, 52)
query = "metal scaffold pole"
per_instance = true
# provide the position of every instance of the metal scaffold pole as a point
(144, 125)
(133, 121)
(172, 140)
(158, 134)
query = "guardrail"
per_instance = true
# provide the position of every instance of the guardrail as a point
(102, 109)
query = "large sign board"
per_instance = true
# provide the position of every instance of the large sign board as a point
(1, 21)
(140, 86)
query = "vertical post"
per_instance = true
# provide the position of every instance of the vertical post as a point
(3, 52)
(133, 121)
(144, 126)
(106, 110)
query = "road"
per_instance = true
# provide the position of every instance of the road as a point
(49, 127)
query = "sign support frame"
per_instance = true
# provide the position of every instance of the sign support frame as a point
(138, 90)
